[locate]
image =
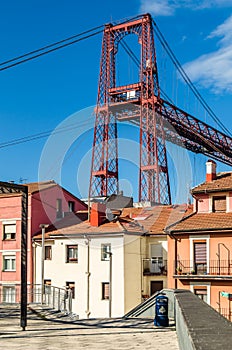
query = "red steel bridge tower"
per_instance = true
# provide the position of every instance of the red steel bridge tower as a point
(158, 120)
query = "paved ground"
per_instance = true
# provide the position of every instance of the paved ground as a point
(60, 333)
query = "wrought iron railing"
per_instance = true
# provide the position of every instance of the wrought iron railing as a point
(225, 312)
(213, 267)
(155, 266)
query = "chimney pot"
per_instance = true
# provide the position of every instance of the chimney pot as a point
(98, 214)
(210, 170)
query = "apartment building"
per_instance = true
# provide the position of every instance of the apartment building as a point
(200, 245)
(47, 202)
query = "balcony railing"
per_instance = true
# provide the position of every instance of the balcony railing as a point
(214, 267)
(155, 266)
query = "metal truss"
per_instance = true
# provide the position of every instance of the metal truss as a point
(159, 121)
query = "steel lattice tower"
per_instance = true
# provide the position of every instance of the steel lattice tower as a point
(153, 174)
(157, 119)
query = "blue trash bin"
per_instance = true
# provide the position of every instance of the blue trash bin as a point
(161, 311)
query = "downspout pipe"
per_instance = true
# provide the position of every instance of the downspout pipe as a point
(171, 235)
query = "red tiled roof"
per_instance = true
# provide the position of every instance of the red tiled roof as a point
(204, 222)
(74, 225)
(155, 219)
(132, 220)
(223, 182)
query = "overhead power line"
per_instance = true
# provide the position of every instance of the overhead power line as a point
(53, 47)
(44, 134)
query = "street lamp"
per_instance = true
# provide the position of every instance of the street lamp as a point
(43, 227)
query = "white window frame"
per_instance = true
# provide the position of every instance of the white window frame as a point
(193, 239)
(4, 225)
(204, 284)
(9, 297)
(10, 258)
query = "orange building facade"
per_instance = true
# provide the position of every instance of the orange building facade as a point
(200, 245)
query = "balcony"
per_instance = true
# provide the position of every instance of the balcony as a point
(154, 267)
(215, 269)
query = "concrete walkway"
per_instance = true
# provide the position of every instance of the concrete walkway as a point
(90, 334)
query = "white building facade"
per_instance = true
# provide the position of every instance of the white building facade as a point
(102, 270)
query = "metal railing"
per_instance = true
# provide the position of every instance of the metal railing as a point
(49, 296)
(155, 266)
(214, 267)
(225, 312)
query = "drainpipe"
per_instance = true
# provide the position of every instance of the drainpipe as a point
(110, 285)
(175, 254)
(175, 260)
(88, 275)
(43, 227)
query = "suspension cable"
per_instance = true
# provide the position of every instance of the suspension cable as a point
(49, 51)
(186, 78)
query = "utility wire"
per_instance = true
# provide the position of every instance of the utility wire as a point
(44, 134)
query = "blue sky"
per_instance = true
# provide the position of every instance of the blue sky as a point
(42, 94)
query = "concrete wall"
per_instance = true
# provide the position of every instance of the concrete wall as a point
(198, 326)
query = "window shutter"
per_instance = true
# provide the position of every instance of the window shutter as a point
(200, 252)
(219, 204)
(105, 290)
(10, 228)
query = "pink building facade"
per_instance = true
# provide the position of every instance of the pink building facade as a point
(47, 203)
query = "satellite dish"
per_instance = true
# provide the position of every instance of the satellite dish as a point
(109, 215)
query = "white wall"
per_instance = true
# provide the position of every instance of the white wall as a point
(60, 272)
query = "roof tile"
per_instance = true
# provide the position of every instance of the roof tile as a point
(204, 221)
(223, 182)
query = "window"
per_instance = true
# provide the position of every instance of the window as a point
(105, 290)
(201, 292)
(59, 213)
(71, 286)
(200, 257)
(8, 294)
(105, 252)
(72, 253)
(47, 286)
(71, 206)
(219, 204)
(9, 263)
(48, 252)
(9, 231)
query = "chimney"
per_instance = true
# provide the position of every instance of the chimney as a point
(210, 170)
(98, 214)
